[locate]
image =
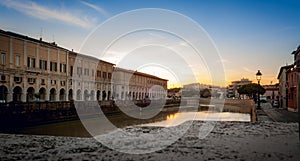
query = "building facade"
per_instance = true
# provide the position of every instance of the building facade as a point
(34, 70)
(232, 88)
(289, 83)
(282, 86)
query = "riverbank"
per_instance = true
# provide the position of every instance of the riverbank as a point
(227, 141)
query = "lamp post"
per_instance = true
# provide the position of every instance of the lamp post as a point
(258, 77)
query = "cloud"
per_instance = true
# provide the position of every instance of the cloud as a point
(97, 8)
(41, 12)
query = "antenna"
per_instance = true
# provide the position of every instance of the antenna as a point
(41, 34)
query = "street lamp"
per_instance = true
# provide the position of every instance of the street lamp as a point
(258, 77)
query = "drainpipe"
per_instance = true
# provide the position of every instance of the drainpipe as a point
(298, 104)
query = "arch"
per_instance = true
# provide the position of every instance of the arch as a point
(52, 94)
(103, 95)
(30, 94)
(70, 95)
(98, 95)
(129, 95)
(108, 95)
(3, 93)
(42, 93)
(92, 95)
(17, 93)
(122, 95)
(62, 94)
(86, 95)
(78, 95)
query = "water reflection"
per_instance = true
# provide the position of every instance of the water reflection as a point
(172, 116)
(181, 117)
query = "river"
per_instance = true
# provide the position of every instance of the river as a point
(77, 128)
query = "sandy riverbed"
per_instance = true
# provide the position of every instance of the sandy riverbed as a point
(227, 141)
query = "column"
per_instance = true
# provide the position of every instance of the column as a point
(25, 53)
(67, 77)
(57, 95)
(23, 95)
(47, 96)
(58, 60)
(9, 96)
(11, 53)
(37, 62)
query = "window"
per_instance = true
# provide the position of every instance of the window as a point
(53, 66)
(18, 59)
(98, 73)
(43, 64)
(31, 80)
(109, 75)
(43, 82)
(62, 83)
(2, 59)
(31, 62)
(86, 71)
(93, 72)
(71, 70)
(104, 75)
(53, 82)
(2, 77)
(18, 79)
(79, 70)
(63, 68)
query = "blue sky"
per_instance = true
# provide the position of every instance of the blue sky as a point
(250, 35)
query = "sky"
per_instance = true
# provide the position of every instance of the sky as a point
(249, 35)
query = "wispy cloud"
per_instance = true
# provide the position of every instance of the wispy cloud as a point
(223, 61)
(32, 9)
(249, 70)
(97, 8)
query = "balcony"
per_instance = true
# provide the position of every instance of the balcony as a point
(33, 70)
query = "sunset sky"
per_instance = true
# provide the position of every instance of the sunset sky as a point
(249, 35)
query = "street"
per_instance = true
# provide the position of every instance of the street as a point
(269, 113)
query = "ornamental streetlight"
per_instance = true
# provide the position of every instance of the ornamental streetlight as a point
(258, 77)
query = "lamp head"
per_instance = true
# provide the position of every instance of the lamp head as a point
(258, 75)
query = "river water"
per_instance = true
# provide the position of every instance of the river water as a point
(77, 128)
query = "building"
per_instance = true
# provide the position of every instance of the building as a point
(232, 88)
(33, 69)
(282, 86)
(293, 83)
(289, 83)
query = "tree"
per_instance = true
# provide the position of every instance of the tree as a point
(205, 93)
(251, 89)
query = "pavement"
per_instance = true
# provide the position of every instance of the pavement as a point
(269, 113)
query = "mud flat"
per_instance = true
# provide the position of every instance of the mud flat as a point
(227, 141)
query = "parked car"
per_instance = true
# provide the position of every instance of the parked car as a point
(275, 103)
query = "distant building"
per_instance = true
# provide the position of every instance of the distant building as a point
(232, 88)
(271, 91)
